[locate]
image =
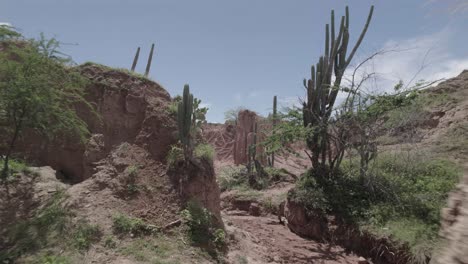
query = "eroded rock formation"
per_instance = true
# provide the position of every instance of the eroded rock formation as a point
(127, 109)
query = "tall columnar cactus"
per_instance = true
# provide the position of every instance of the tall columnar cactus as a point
(252, 148)
(184, 121)
(150, 58)
(275, 119)
(135, 60)
(322, 89)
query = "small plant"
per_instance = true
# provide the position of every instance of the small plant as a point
(109, 242)
(85, 235)
(123, 224)
(132, 173)
(204, 151)
(201, 227)
(219, 238)
(175, 154)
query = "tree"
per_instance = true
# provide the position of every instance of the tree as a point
(37, 94)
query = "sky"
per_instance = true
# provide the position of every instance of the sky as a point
(241, 53)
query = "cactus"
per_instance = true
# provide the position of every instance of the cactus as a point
(150, 58)
(321, 92)
(252, 149)
(135, 60)
(184, 121)
(274, 125)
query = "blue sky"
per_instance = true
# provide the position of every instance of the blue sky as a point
(243, 52)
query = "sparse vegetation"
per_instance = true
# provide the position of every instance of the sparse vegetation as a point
(85, 234)
(53, 259)
(161, 249)
(125, 225)
(48, 225)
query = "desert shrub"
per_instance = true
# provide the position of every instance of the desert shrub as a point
(401, 196)
(123, 224)
(204, 151)
(85, 235)
(173, 106)
(201, 228)
(109, 242)
(175, 154)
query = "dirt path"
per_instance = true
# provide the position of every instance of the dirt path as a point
(264, 240)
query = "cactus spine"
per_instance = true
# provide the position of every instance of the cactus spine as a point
(184, 121)
(150, 58)
(135, 60)
(321, 92)
(275, 113)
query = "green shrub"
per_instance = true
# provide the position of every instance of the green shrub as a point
(204, 151)
(172, 108)
(123, 224)
(401, 196)
(201, 226)
(17, 166)
(85, 234)
(310, 195)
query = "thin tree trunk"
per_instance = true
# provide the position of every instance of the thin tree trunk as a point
(10, 150)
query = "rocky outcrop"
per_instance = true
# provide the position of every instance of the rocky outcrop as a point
(305, 224)
(455, 227)
(196, 181)
(245, 125)
(127, 108)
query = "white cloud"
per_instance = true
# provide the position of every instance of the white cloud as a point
(425, 57)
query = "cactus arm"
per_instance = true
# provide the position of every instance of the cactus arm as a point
(135, 59)
(150, 58)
